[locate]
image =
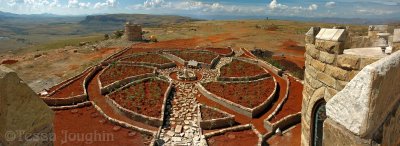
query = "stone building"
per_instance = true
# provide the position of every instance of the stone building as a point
(24, 118)
(133, 32)
(351, 96)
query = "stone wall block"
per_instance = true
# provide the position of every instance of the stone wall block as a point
(329, 93)
(312, 51)
(329, 46)
(326, 79)
(367, 61)
(337, 72)
(348, 61)
(318, 65)
(340, 85)
(327, 57)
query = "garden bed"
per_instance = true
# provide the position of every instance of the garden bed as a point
(199, 56)
(221, 51)
(145, 97)
(148, 58)
(74, 88)
(116, 72)
(208, 113)
(248, 95)
(238, 68)
(293, 103)
(235, 138)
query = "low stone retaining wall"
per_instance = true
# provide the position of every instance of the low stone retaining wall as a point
(158, 66)
(238, 79)
(284, 123)
(67, 107)
(67, 82)
(124, 124)
(235, 129)
(117, 84)
(174, 58)
(230, 129)
(113, 57)
(294, 77)
(217, 123)
(75, 99)
(280, 105)
(236, 107)
(136, 116)
(263, 64)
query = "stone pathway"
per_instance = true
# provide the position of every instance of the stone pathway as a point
(182, 124)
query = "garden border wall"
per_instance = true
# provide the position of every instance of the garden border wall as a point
(75, 99)
(218, 122)
(249, 112)
(118, 84)
(134, 115)
(283, 123)
(238, 79)
(280, 105)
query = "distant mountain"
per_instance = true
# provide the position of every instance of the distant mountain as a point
(142, 19)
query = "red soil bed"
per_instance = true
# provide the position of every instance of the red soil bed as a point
(239, 68)
(149, 58)
(222, 51)
(209, 114)
(119, 72)
(73, 89)
(291, 46)
(293, 103)
(197, 56)
(246, 94)
(144, 98)
(290, 138)
(9, 61)
(240, 138)
(90, 123)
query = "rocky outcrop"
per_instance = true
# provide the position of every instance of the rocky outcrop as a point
(24, 117)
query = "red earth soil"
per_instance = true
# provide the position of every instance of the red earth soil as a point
(290, 138)
(209, 114)
(149, 58)
(197, 56)
(86, 126)
(222, 51)
(73, 89)
(101, 101)
(239, 68)
(144, 98)
(292, 52)
(9, 61)
(239, 138)
(246, 94)
(293, 103)
(119, 72)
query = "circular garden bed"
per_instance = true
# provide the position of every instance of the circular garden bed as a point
(145, 97)
(238, 138)
(248, 95)
(116, 72)
(238, 68)
(199, 56)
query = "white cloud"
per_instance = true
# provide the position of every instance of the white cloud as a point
(196, 6)
(313, 7)
(330, 4)
(107, 3)
(274, 5)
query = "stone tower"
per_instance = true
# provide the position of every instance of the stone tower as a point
(133, 32)
(347, 101)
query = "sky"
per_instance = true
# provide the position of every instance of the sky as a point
(303, 8)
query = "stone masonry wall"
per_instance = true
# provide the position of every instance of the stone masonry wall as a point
(368, 105)
(327, 71)
(22, 113)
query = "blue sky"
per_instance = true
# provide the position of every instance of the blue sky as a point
(307, 8)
